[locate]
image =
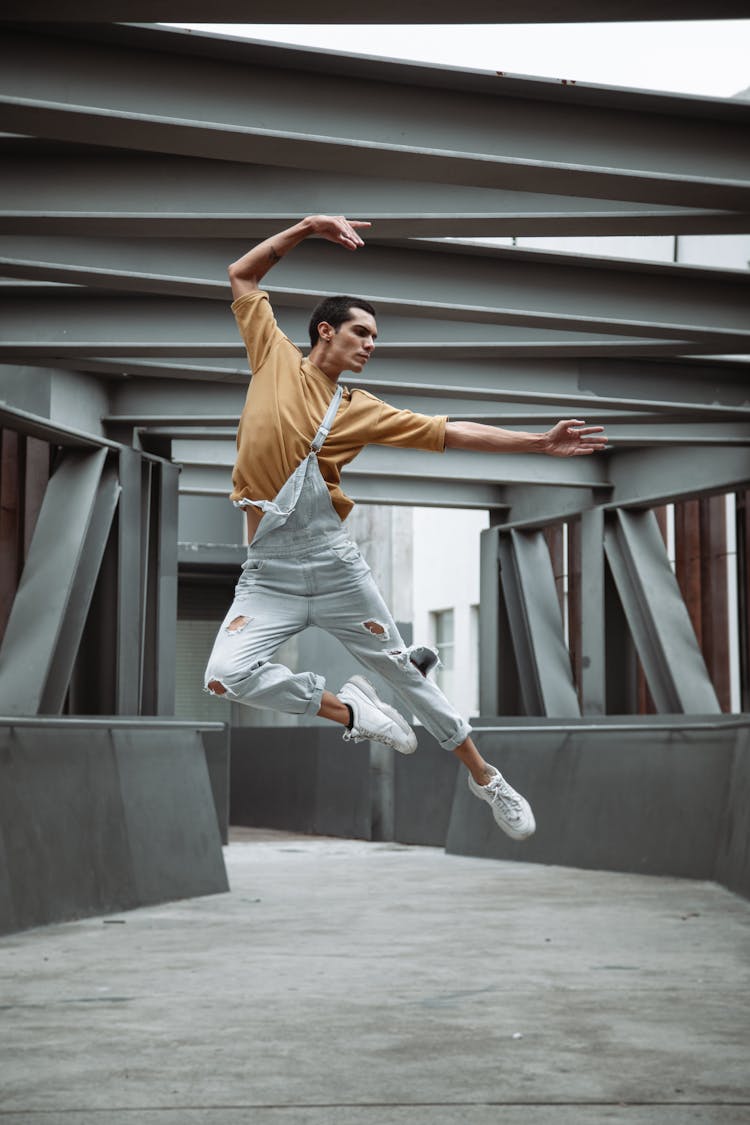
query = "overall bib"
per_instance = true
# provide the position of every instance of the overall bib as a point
(303, 569)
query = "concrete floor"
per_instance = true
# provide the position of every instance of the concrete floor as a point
(349, 983)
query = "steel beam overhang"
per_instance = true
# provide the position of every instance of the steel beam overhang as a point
(686, 387)
(388, 11)
(78, 323)
(646, 148)
(104, 193)
(498, 285)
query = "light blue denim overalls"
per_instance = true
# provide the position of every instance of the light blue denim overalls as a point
(303, 569)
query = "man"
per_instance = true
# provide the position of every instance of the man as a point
(297, 430)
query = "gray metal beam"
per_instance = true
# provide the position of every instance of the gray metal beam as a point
(624, 432)
(491, 468)
(142, 195)
(398, 491)
(643, 477)
(81, 594)
(719, 390)
(48, 590)
(33, 425)
(77, 324)
(658, 476)
(539, 507)
(657, 616)
(536, 626)
(247, 106)
(129, 607)
(160, 516)
(592, 681)
(488, 285)
(388, 11)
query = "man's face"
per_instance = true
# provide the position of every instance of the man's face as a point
(351, 346)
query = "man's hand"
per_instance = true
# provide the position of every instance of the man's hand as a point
(246, 273)
(573, 438)
(338, 229)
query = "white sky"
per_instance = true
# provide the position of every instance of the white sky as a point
(707, 57)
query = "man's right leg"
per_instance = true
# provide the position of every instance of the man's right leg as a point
(240, 668)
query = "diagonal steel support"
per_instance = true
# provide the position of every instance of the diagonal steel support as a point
(656, 615)
(159, 518)
(499, 685)
(50, 607)
(536, 626)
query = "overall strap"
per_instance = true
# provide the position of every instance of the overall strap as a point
(325, 425)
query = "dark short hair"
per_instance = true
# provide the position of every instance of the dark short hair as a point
(335, 311)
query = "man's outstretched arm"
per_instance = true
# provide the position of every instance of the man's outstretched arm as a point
(247, 271)
(569, 438)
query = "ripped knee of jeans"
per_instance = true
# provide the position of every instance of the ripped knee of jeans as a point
(234, 684)
(215, 687)
(378, 629)
(422, 657)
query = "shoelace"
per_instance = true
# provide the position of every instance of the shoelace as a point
(502, 791)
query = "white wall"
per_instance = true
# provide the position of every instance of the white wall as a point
(446, 576)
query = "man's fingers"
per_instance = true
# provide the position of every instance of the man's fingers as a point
(349, 232)
(351, 238)
(573, 438)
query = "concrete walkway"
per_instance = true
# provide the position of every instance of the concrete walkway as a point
(349, 983)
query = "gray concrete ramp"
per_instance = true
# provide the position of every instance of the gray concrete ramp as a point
(354, 983)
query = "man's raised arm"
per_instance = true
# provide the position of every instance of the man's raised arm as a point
(247, 271)
(569, 438)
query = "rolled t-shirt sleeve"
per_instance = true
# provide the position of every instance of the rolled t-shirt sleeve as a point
(257, 326)
(407, 429)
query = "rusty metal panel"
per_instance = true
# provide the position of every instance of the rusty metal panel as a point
(700, 556)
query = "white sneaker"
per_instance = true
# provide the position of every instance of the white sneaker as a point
(374, 719)
(511, 811)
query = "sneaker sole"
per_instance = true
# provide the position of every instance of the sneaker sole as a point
(366, 688)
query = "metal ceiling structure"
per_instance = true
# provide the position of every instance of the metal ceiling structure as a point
(387, 11)
(138, 161)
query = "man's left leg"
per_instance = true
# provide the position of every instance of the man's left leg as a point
(358, 616)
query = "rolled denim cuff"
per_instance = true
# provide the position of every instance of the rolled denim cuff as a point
(314, 705)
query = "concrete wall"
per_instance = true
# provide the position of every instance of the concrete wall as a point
(95, 820)
(658, 797)
(733, 858)
(651, 802)
(301, 778)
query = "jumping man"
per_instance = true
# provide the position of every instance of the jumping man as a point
(298, 429)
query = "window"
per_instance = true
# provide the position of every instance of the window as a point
(443, 636)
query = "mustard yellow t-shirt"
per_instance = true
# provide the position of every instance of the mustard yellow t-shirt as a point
(286, 401)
